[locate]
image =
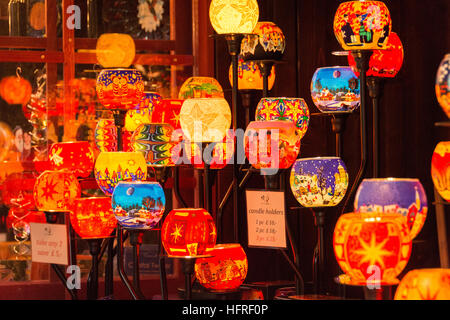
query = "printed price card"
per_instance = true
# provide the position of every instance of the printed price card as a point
(266, 219)
(49, 243)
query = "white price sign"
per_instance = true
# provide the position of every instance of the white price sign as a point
(49, 243)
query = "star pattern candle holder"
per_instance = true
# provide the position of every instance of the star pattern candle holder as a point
(440, 165)
(76, 157)
(168, 112)
(424, 284)
(200, 87)
(443, 84)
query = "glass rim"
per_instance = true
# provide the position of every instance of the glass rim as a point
(332, 67)
(139, 182)
(388, 179)
(318, 158)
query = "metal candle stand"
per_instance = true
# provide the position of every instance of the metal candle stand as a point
(92, 282)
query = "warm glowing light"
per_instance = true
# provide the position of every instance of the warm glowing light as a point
(135, 117)
(200, 87)
(442, 87)
(424, 284)
(233, 16)
(440, 169)
(76, 157)
(6, 141)
(249, 76)
(168, 112)
(115, 50)
(105, 135)
(267, 42)
(15, 90)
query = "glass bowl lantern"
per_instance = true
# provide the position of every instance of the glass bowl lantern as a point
(225, 271)
(385, 63)
(54, 190)
(168, 112)
(115, 50)
(15, 90)
(92, 218)
(293, 109)
(271, 145)
(319, 182)
(200, 87)
(372, 243)
(105, 135)
(138, 204)
(362, 25)
(424, 284)
(188, 232)
(142, 113)
(266, 42)
(249, 76)
(113, 167)
(394, 195)
(17, 189)
(335, 89)
(440, 165)
(233, 16)
(76, 157)
(442, 86)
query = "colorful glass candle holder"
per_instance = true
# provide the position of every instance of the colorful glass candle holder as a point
(138, 205)
(319, 182)
(266, 42)
(200, 87)
(188, 232)
(76, 157)
(443, 84)
(115, 50)
(135, 117)
(149, 100)
(105, 135)
(119, 88)
(17, 190)
(92, 218)
(54, 191)
(205, 119)
(168, 112)
(294, 109)
(250, 77)
(424, 284)
(372, 244)
(271, 144)
(233, 16)
(384, 63)
(113, 167)
(155, 142)
(393, 195)
(440, 165)
(335, 89)
(362, 25)
(225, 271)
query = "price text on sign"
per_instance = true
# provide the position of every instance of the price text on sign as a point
(49, 243)
(266, 219)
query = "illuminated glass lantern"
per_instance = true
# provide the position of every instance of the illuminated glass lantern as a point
(233, 16)
(319, 182)
(225, 270)
(271, 144)
(188, 232)
(155, 142)
(249, 76)
(443, 84)
(205, 119)
(335, 89)
(114, 50)
(142, 113)
(384, 63)
(92, 218)
(393, 195)
(424, 284)
(267, 42)
(168, 112)
(17, 190)
(105, 135)
(113, 167)
(139, 204)
(362, 25)
(6, 140)
(365, 244)
(294, 109)
(440, 165)
(76, 157)
(119, 88)
(54, 190)
(15, 90)
(200, 87)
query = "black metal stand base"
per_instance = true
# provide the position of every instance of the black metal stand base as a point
(92, 282)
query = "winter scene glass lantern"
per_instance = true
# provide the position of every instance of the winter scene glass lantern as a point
(440, 165)
(168, 112)
(76, 157)
(114, 50)
(250, 77)
(394, 195)
(424, 284)
(225, 271)
(362, 25)
(200, 87)
(138, 204)
(93, 217)
(266, 42)
(385, 63)
(335, 89)
(188, 232)
(113, 167)
(233, 16)
(293, 109)
(54, 190)
(271, 144)
(443, 84)
(105, 135)
(372, 242)
(319, 182)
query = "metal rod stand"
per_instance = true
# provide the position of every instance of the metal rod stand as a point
(319, 252)
(375, 84)
(338, 125)
(188, 270)
(92, 282)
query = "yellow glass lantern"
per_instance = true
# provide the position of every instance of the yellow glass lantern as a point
(115, 50)
(135, 117)
(200, 87)
(205, 119)
(233, 16)
(424, 284)
(250, 77)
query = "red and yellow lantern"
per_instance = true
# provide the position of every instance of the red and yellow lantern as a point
(15, 90)
(106, 136)
(440, 169)
(76, 157)
(424, 284)
(168, 111)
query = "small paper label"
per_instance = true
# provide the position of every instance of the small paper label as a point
(49, 243)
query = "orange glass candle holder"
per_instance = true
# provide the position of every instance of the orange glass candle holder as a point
(76, 157)
(106, 136)
(168, 112)
(424, 284)
(250, 77)
(200, 87)
(440, 169)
